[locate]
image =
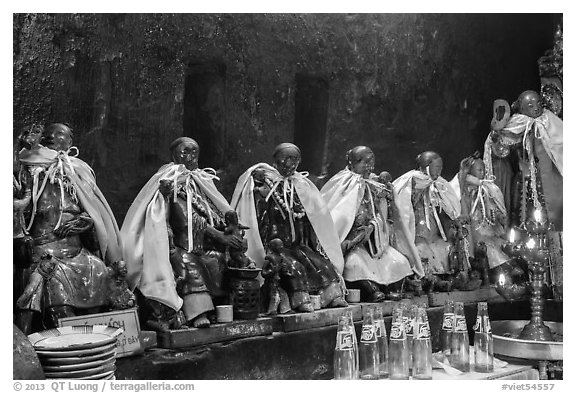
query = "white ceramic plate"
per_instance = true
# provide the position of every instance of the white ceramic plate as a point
(78, 352)
(74, 337)
(80, 366)
(90, 372)
(48, 360)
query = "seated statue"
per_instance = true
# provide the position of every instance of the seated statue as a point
(364, 213)
(428, 207)
(73, 230)
(482, 201)
(277, 202)
(174, 243)
(532, 141)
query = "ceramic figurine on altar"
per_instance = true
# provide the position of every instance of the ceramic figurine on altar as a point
(363, 209)
(120, 296)
(532, 140)
(73, 230)
(174, 242)
(276, 263)
(277, 202)
(427, 207)
(237, 257)
(482, 201)
(21, 198)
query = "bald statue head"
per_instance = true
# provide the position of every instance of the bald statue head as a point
(361, 160)
(430, 162)
(529, 104)
(57, 136)
(185, 151)
(287, 158)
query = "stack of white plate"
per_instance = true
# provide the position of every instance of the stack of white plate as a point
(77, 352)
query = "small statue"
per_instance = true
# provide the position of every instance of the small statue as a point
(279, 301)
(237, 257)
(362, 204)
(120, 296)
(480, 263)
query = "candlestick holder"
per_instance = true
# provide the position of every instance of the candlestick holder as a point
(536, 329)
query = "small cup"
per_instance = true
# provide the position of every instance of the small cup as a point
(353, 296)
(224, 313)
(316, 301)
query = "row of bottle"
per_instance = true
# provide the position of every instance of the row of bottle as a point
(374, 357)
(455, 342)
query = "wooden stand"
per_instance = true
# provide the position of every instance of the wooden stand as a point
(479, 295)
(192, 337)
(318, 318)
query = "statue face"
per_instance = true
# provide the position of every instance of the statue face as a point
(186, 153)
(30, 137)
(478, 169)
(435, 168)
(530, 104)
(287, 161)
(57, 138)
(362, 161)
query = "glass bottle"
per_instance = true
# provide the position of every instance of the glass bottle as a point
(483, 343)
(412, 312)
(345, 353)
(382, 338)
(355, 340)
(421, 347)
(398, 347)
(460, 349)
(447, 325)
(368, 348)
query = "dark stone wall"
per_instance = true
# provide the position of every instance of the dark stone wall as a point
(402, 83)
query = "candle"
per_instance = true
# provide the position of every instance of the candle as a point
(530, 244)
(538, 215)
(512, 236)
(501, 279)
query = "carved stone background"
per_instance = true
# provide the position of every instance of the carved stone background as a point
(401, 83)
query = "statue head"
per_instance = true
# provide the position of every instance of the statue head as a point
(30, 136)
(385, 177)
(185, 151)
(286, 158)
(361, 160)
(529, 104)
(478, 169)
(231, 217)
(57, 136)
(430, 162)
(276, 245)
(120, 268)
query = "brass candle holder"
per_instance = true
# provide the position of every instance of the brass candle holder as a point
(535, 253)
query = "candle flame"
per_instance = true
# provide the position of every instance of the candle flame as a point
(512, 237)
(501, 279)
(531, 244)
(538, 215)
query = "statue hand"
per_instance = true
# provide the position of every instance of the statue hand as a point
(73, 227)
(233, 241)
(346, 246)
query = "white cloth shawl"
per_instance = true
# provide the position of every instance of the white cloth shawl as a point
(316, 210)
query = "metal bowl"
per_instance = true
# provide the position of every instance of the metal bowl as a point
(506, 343)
